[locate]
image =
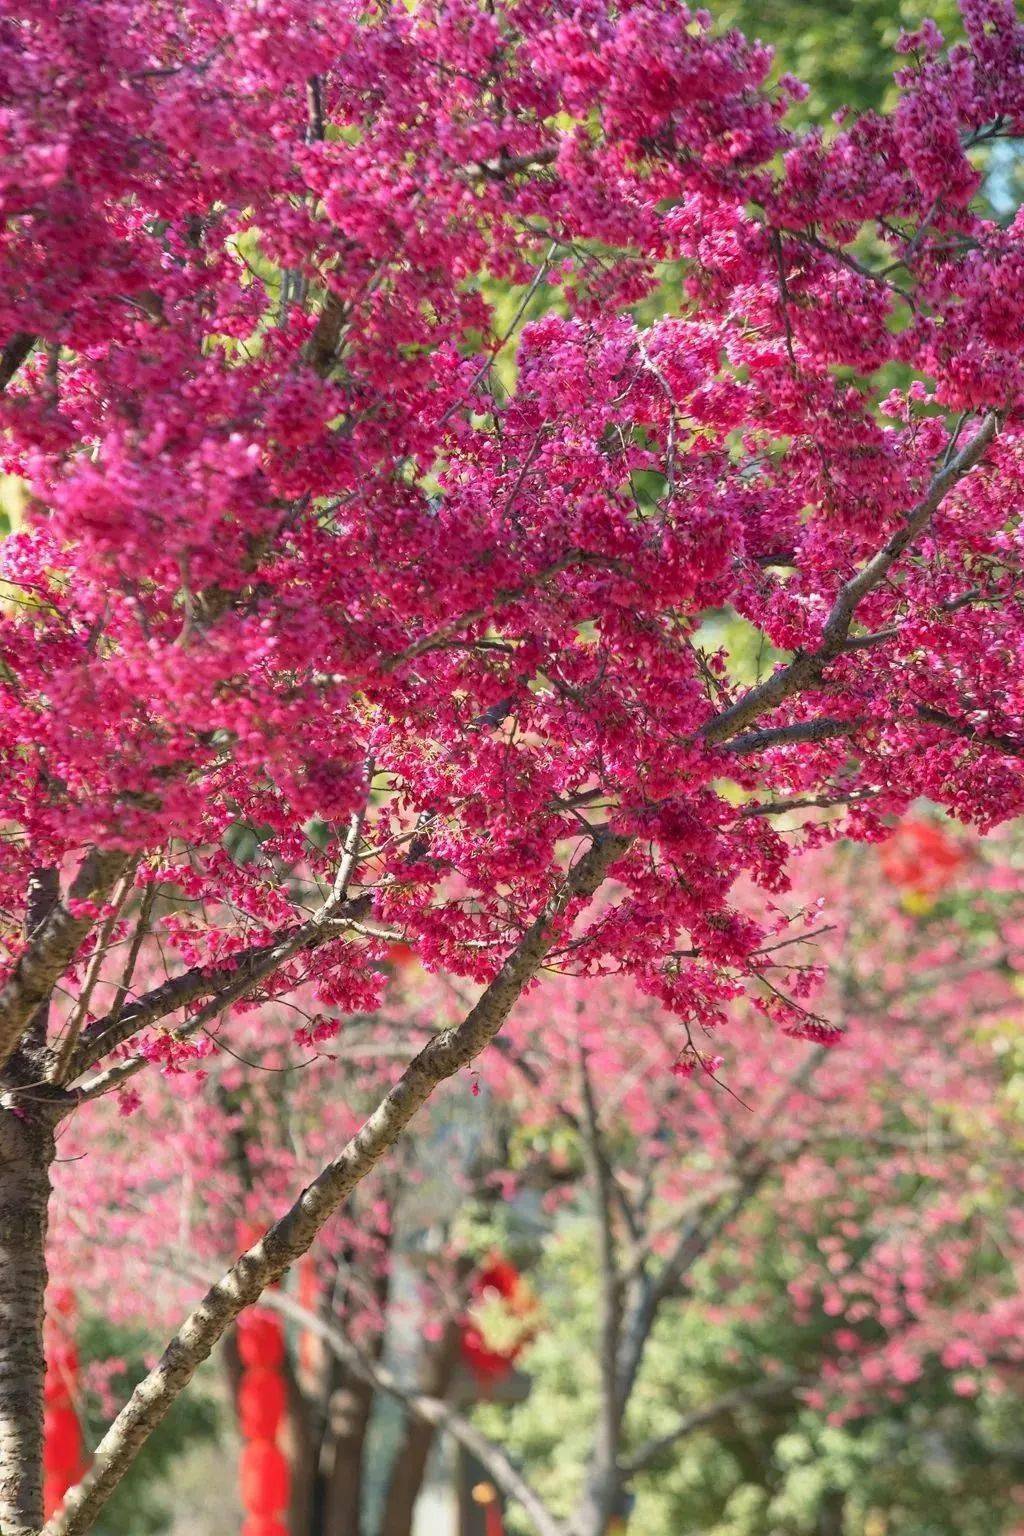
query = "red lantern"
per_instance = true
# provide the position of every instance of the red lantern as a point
(62, 1440)
(266, 1481)
(261, 1402)
(501, 1279)
(260, 1340)
(63, 1462)
(309, 1291)
(498, 1275)
(264, 1525)
(487, 1365)
(262, 1398)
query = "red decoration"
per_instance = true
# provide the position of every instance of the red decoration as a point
(499, 1278)
(61, 1369)
(265, 1477)
(264, 1525)
(487, 1495)
(265, 1474)
(487, 1365)
(62, 1439)
(400, 955)
(63, 1460)
(261, 1402)
(309, 1292)
(921, 857)
(260, 1341)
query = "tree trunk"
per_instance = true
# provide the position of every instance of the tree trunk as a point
(341, 1463)
(26, 1152)
(298, 1442)
(410, 1464)
(832, 1514)
(593, 1516)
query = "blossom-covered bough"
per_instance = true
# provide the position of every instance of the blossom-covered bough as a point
(322, 631)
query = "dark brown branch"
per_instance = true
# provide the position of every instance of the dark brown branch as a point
(786, 735)
(969, 732)
(16, 350)
(53, 946)
(237, 978)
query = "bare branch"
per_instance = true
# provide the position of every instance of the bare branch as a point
(500, 599)
(975, 733)
(14, 353)
(432, 1410)
(602, 1470)
(224, 983)
(700, 1418)
(64, 1055)
(786, 735)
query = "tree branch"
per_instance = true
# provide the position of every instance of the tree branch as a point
(970, 732)
(699, 1418)
(806, 667)
(602, 1472)
(14, 353)
(786, 735)
(52, 947)
(235, 978)
(432, 1410)
(292, 1235)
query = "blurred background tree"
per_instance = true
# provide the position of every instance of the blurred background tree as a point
(842, 50)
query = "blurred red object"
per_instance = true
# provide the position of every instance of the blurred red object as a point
(400, 955)
(921, 857)
(501, 1279)
(63, 1457)
(262, 1398)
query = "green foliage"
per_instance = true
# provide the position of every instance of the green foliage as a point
(843, 50)
(933, 1465)
(143, 1502)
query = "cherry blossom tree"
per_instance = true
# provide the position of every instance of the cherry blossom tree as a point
(324, 630)
(862, 1200)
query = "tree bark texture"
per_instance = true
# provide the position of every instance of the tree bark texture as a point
(26, 1152)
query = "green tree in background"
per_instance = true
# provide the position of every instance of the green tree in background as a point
(843, 49)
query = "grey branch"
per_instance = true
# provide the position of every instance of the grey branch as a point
(786, 735)
(700, 1418)
(432, 1410)
(14, 353)
(228, 982)
(975, 733)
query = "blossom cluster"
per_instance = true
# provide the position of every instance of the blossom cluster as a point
(302, 531)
